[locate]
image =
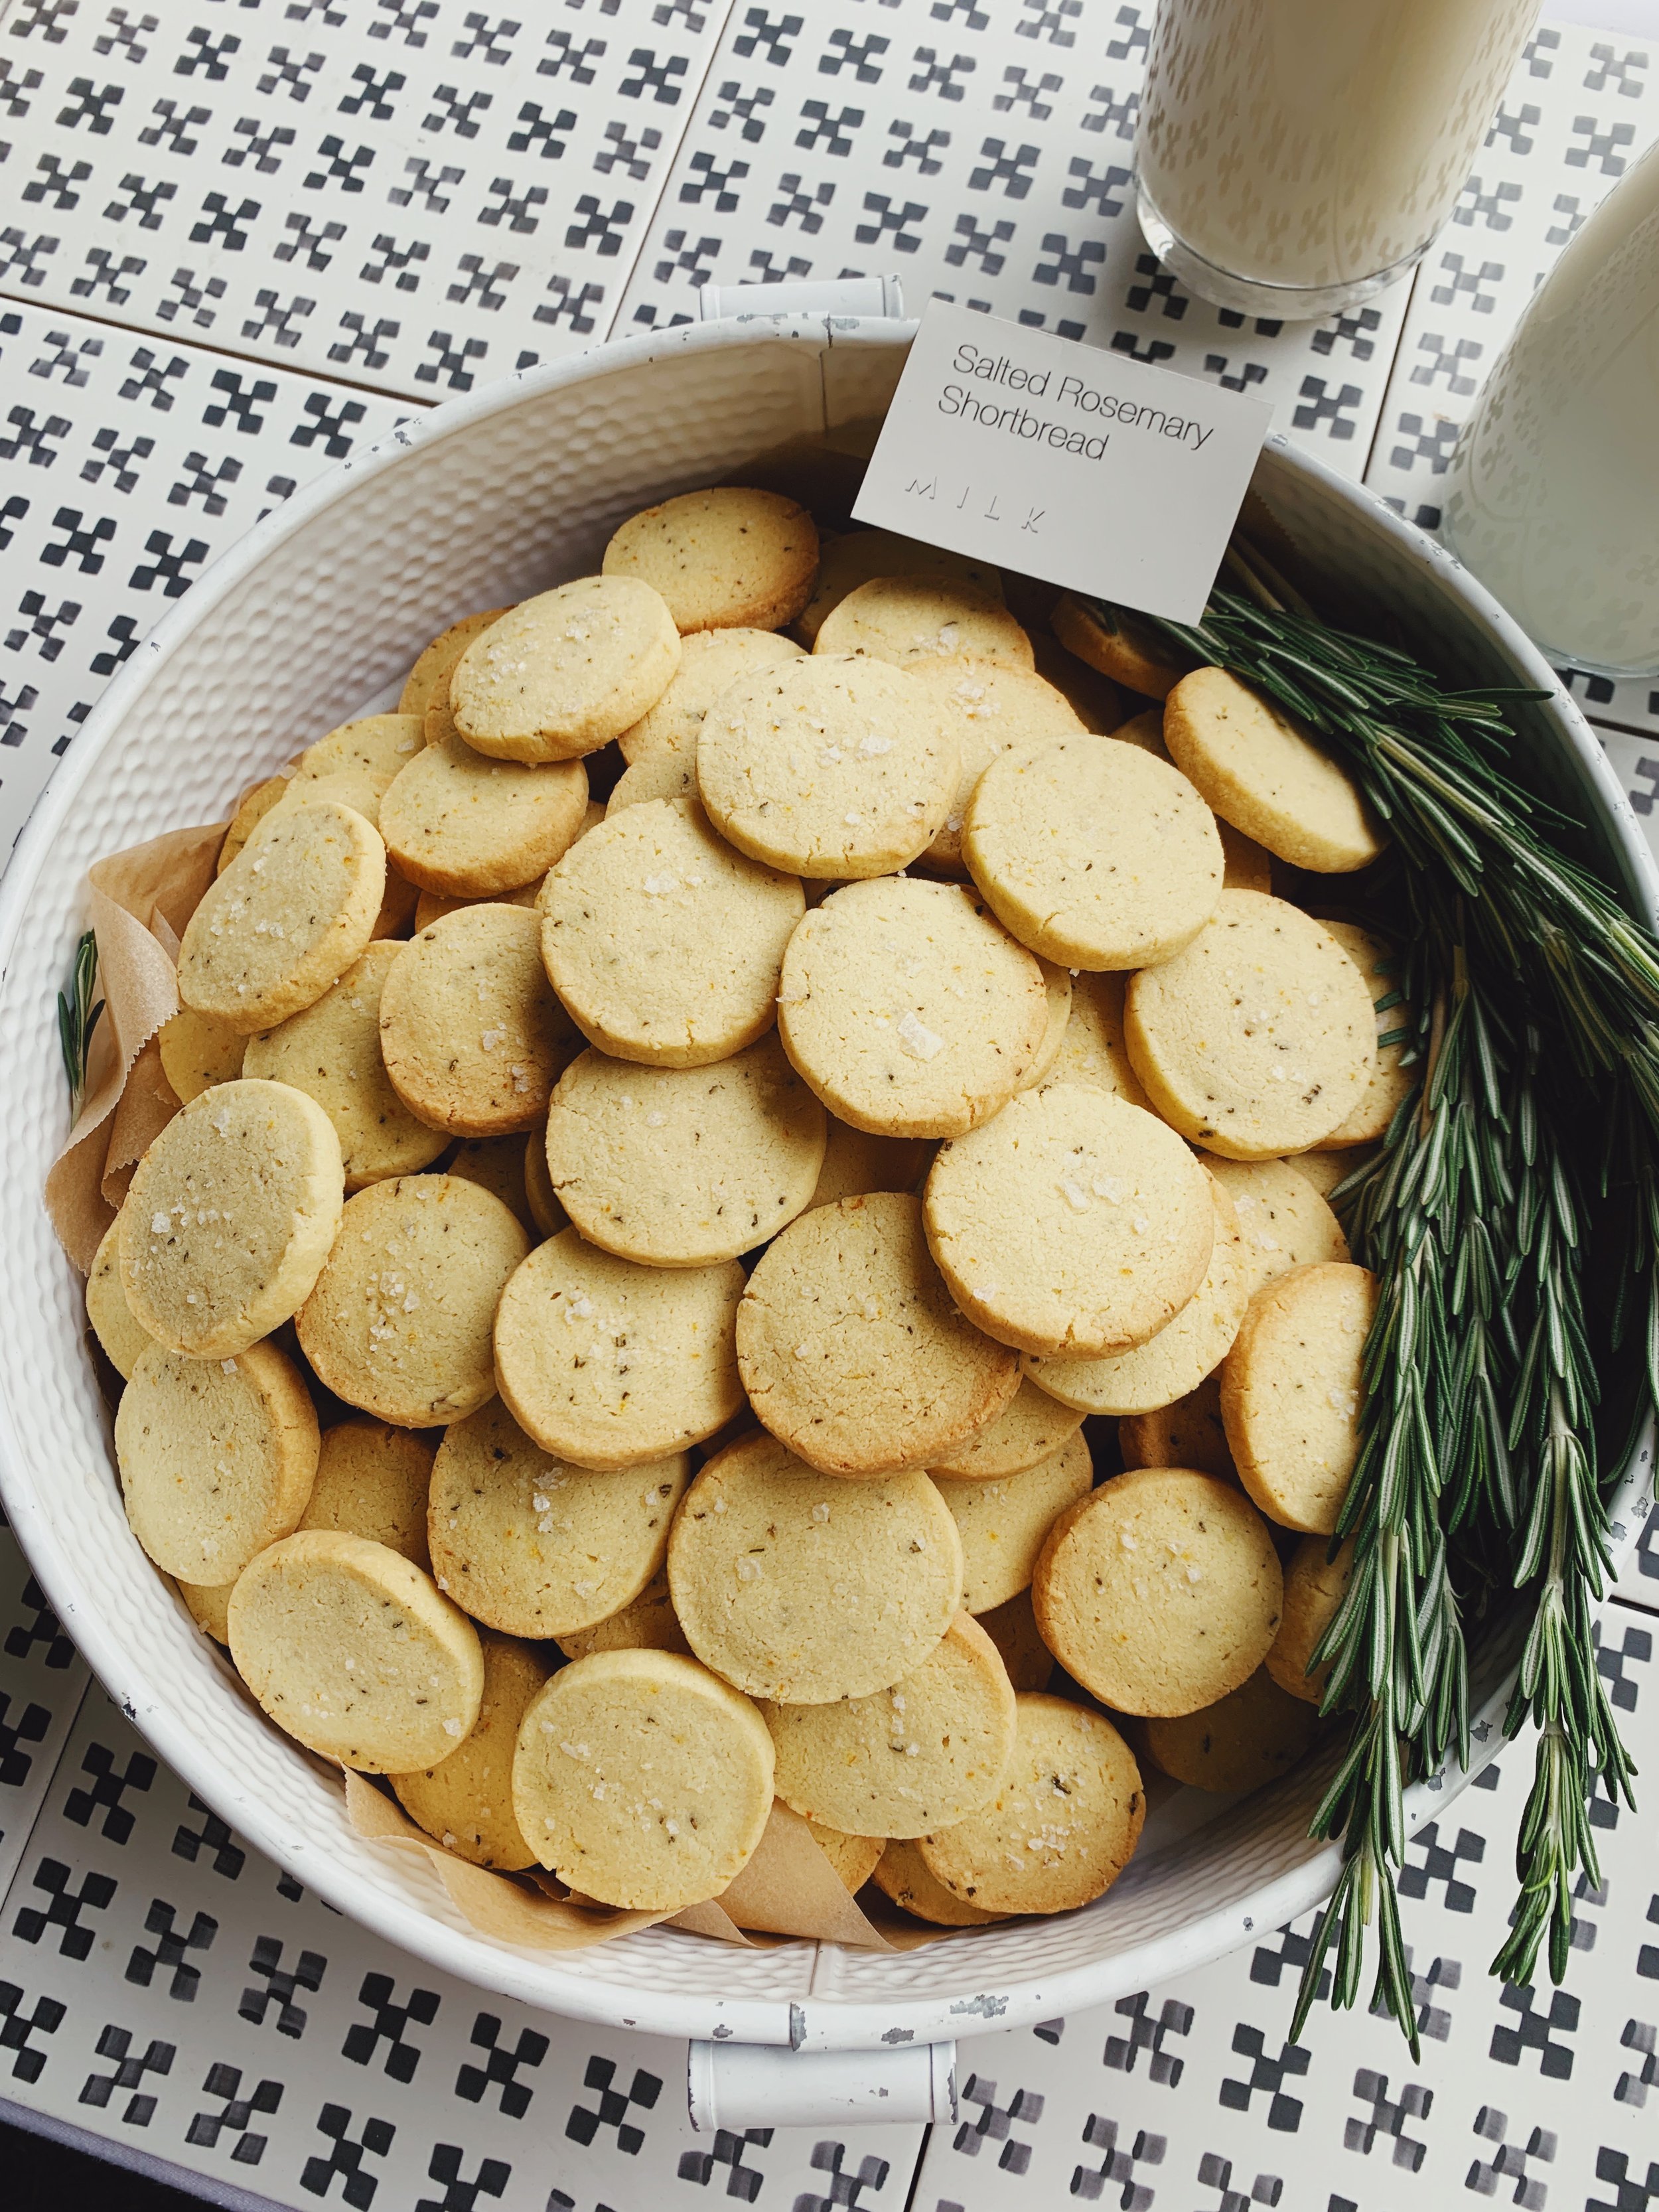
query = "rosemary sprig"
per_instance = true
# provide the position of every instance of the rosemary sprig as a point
(77, 1017)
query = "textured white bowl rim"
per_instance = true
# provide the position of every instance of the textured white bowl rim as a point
(824, 2023)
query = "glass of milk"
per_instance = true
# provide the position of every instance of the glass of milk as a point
(1553, 489)
(1294, 156)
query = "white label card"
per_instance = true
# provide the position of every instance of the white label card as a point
(1062, 461)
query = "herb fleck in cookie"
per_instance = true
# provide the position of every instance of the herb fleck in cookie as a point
(355, 765)
(1379, 963)
(1092, 1050)
(1283, 1222)
(1114, 642)
(1190, 1433)
(851, 1350)
(658, 774)
(566, 671)
(731, 558)
(853, 559)
(465, 1800)
(1252, 1736)
(198, 1051)
(429, 678)
(121, 1337)
(902, 619)
(710, 661)
(1291, 1392)
(1004, 1523)
(1031, 1428)
(458, 822)
(373, 1482)
(1315, 1586)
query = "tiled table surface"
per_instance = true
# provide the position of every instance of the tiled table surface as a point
(239, 240)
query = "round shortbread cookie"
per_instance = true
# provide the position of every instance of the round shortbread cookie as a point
(352, 1650)
(1095, 700)
(198, 1051)
(1119, 645)
(846, 562)
(1160, 1591)
(120, 1337)
(566, 671)
(641, 1779)
(923, 1753)
(1004, 1524)
(1057, 990)
(286, 919)
(466, 826)
(1262, 771)
(1246, 866)
(799, 1588)
(1071, 1225)
(398, 903)
(902, 618)
(399, 1322)
(1292, 1392)
(216, 1456)
(611, 1364)
(229, 1216)
(355, 765)
(429, 678)
(1325, 1170)
(728, 558)
(430, 908)
(249, 813)
(908, 1008)
(680, 1167)
(1188, 1432)
(1062, 1824)
(498, 1164)
(465, 1801)
(658, 774)
(710, 661)
(470, 1032)
(827, 767)
(373, 1481)
(1092, 852)
(1252, 1736)
(994, 708)
(856, 1163)
(664, 944)
(851, 1350)
(548, 1215)
(1379, 963)
(852, 1859)
(1258, 1039)
(1092, 1050)
(1315, 1586)
(901, 1875)
(1030, 1429)
(1146, 731)
(537, 1548)
(650, 1623)
(1012, 1628)
(331, 1051)
(208, 1605)
(1283, 1222)
(1177, 1359)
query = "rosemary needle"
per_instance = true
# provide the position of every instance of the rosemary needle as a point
(77, 1017)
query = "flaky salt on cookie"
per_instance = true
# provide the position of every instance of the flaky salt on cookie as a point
(904, 618)
(854, 558)
(373, 1481)
(1283, 1222)
(728, 557)
(564, 672)
(1293, 1391)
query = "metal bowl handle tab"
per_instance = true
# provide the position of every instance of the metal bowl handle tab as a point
(746, 2085)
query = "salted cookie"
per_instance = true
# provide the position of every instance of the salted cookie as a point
(903, 618)
(1188, 1432)
(1004, 1523)
(1379, 963)
(399, 1322)
(1060, 1828)
(1092, 852)
(1245, 866)
(827, 766)
(799, 1588)
(926, 1751)
(1011, 1626)
(856, 1163)
(545, 1212)
(230, 1216)
(680, 1167)
(664, 944)
(537, 1548)
(658, 774)
(846, 562)
(498, 1164)
(1177, 1359)
(373, 1482)
(1094, 698)
(1292, 1392)
(852, 1859)
(649, 1624)
(464, 1801)
(352, 1650)
(1283, 1222)
(994, 708)
(851, 1350)
(711, 660)
(611, 1364)
(641, 1779)
(1146, 731)
(1252, 1736)
(1057, 992)
(1327, 1170)
(1258, 1039)
(566, 671)
(332, 1052)
(1072, 1224)
(217, 1457)
(1160, 1591)
(727, 558)
(470, 1032)
(398, 903)
(250, 812)
(1119, 645)
(355, 765)
(121, 1337)
(910, 1009)
(208, 1605)
(1315, 1586)
(901, 1875)
(1092, 1050)
(198, 1051)
(458, 823)
(430, 908)
(286, 919)
(429, 678)
(1031, 1428)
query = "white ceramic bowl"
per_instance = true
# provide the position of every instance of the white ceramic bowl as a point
(316, 612)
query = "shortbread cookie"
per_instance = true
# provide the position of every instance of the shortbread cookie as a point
(1092, 1050)
(1327, 1170)
(1258, 1039)
(1292, 1392)
(498, 1164)
(846, 562)
(649, 1624)
(248, 815)
(430, 908)
(1315, 1586)
(566, 671)
(1146, 731)
(545, 1212)
(120, 1338)
(641, 1779)
(1071, 1226)
(398, 903)
(218, 1457)
(827, 767)
(853, 1858)
(538, 1548)
(1188, 1432)
(1030, 1430)
(458, 823)
(1092, 852)
(1057, 991)
(1252, 1736)
(1379, 963)
(229, 1216)
(611, 1364)
(1283, 1223)
(465, 1800)
(994, 708)
(658, 774)
(796, 1587)
(198, 1051)
(1004, 1523)
(399, 1322)
(331, 1051)
(355, 765)
(1119, 645)
(1266, 774)
(856, 1163)
(473, 1036)
(1060, 1828)
(373, 1481)
(910, 1009)
(901, 1875)
(429, 678)
(1160, 1591)
(902, 618)
(851, 1350)
(208, 1605)
(1246, 866)
(1177, 1359)
(926, 1751)
(1011, 1626)
(1094, 698)
(664, 944)
(286, 919)
(710, 661)
(680, 1167)
(352, 1650)
(727, 558)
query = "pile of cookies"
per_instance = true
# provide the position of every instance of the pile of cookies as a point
(629, 1319)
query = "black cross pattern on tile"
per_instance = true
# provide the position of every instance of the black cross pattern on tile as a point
(30, 441)
(1102, 193)
(657, 78)
(644, 2090)
(282, 1983)
(512, 207)
(622, 150)
(1451, 360)
(767, 272)
(234, 2115)
(1323, 408)
(224, 1856)
(568, 302)
(821, 132)
(1507, 2167)
(941, 76)
(1537, 2031)
(798, 204)
(1631, 2193)
(166, 566)
(237, 405)
(1118, 2166)
(1387, 2118)
(106, 276)
(81, 542)
(22, 256)
(743, 2182)
(346, 2158)
(363, 342)
(1357, 332)
(261, 147)
(192, 293)
(373, 94)
(22, 1637)
(1148, 2035)
(1078, 264)
(1515, 128)
(1012, 172)
(1646, 1554)
(128, 2073)
(12, 730)
(311, 241)
(694, 262)
(846, 2189)
(709, 180)
(172, 1943)
(46, 2017)
(327, 424)
(1442, 1864)
(1603, 148)
(459, 2194)
(1493, 208)
(1432, 2020)
(996, 2124)
(501, 2067)
(52, 1877)
(1615, 1665)
(1463, 284)
(32, 1724)
(1267, 2189)
(1283, 2110)
(56, 183)
(1115, 115)
(276, 321)
(1639, 2035)
(894, 223)
(1219, 365)
(450, 367)
(981, 242)
(1623, 70)
(391, 2019)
